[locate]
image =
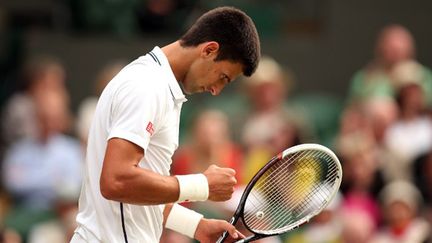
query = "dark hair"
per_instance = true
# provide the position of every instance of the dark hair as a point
(233, 30)
(36, 67)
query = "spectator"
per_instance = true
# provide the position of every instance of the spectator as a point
(411, 135)
(267, 90)
(394, 45)
(365, 125)
(41, 74)
(210, 141)
(400, 202)
(269, 128)
(381, 113)
(37, 171)
(362, 178)
(360, 146)
(36, 168)
(358, 226)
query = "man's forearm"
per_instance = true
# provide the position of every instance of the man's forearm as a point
(140, 186)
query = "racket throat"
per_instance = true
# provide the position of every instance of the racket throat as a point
(250, 239)
(233, 220)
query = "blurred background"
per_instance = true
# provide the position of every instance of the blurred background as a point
(352, 75)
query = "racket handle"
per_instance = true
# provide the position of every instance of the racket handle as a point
(225, 234)
(223, 237)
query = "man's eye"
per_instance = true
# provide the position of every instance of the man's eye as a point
(226, 78)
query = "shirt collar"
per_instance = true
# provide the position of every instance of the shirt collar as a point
(176, 91)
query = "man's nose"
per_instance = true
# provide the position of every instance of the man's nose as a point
(215, 90)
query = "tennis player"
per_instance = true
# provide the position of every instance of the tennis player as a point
(128, 194)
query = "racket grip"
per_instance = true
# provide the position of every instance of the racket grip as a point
(223, 237)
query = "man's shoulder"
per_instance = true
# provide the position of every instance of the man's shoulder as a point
(143, 73)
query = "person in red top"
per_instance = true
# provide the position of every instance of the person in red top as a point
(210, 143)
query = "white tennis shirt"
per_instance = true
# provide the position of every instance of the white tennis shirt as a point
(141, 104)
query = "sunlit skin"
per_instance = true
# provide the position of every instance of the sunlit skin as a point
(197, 71)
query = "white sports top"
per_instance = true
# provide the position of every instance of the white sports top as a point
(141, 104)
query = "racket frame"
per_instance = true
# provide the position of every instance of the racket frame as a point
(239, 213)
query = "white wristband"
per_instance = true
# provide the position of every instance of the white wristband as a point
(183, 220)
(193, 187)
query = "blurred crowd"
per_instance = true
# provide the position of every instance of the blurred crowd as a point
(381, 131)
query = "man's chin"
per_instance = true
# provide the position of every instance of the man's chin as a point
(195, 91)
(188, 91)
(185, 90)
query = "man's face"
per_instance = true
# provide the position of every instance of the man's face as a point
(395, 46)
(207, 75)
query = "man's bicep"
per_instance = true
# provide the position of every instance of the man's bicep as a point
(123, 180)
(121, 153)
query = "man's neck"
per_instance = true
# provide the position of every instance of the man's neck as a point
(179, 58)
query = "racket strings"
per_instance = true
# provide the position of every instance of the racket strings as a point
(274, 189)
(266, 180)
(300, 210)
(280, 166)
(274, 205)
(262, 182)
(272, 170)
(272, 185)
(266, 183)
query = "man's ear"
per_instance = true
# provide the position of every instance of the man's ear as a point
(210, 48)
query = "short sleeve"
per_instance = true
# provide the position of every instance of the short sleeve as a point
(134, 112)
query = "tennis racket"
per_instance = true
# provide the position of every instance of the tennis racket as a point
(288, 191)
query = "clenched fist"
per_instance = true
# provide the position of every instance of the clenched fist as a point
(221, 182)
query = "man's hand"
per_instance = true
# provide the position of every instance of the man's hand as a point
(221, 182)
(209, 231)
